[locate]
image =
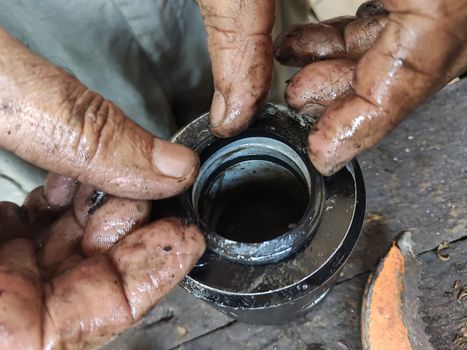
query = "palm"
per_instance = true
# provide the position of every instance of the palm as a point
(93, 271)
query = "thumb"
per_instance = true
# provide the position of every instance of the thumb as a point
(53, 121)
(240, 45)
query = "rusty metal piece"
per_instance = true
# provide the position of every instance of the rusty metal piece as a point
(391, 302)
(382, 323)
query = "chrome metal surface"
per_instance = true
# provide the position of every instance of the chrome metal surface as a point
(268, 275)
(261, 225)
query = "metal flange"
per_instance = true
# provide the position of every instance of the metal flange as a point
(277, 232)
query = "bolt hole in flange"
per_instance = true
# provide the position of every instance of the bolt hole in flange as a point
(277, 232)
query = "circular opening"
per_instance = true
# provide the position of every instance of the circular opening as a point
(253, 200)
(252, 190)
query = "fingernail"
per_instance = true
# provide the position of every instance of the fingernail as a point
(172, 159)
(218, 106)
(312, 109)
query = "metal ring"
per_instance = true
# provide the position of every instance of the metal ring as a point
(281, 278)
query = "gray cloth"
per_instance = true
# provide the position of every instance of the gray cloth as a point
(148, 56)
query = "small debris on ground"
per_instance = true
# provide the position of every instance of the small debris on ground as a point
(460, 291)
(374, 217)
(439, 248)
(181, 331)
(342, 345)
(460, 341)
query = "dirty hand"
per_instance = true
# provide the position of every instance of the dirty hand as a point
(240, 46)
(77, 267)
(50, 119)
(364, 84)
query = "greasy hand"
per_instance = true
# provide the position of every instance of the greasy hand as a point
(240, 45)
(374, 69)
(78, 267)
(50, 119)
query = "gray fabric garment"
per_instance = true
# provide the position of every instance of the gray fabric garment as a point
(147, 56)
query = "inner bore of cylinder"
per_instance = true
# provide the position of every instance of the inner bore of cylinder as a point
(253, 199)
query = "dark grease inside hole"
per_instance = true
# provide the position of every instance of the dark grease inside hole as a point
(253, 201)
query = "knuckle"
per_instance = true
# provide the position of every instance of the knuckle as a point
(98, 119)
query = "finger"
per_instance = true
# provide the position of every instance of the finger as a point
(302, 44)
(339, 23)
(67, 264)
(20, 296)
(391, 80)
(86, 306)
(240, 45)
(317, 85)
(62, 240)
(12, 222)
(153, 259)
(59, 190)
(97, 298)
(305, 43)
(111, 222)
(51, 120)
(19, 255)
(38, 211)
(371, 8)
(359, 35)
(35, 204)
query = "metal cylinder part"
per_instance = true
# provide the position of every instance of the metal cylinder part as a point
(277, 231)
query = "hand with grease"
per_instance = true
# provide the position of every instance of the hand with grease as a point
(78, 266)
(363, 74)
